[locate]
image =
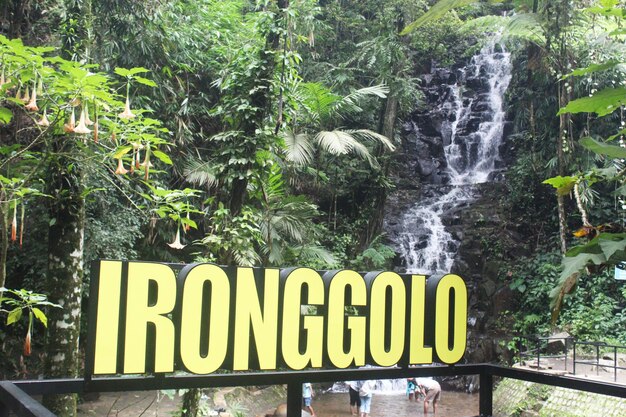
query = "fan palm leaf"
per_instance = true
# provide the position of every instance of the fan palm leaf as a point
(298, 148)
(200, 172)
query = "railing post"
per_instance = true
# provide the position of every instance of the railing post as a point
(597, 359)
(486, 394)
(294, 399)
(566, 351)
(574, 359)
(614, 363)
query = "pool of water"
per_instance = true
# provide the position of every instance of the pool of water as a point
(452, 404)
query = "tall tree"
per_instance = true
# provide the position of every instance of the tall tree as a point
(66, 233)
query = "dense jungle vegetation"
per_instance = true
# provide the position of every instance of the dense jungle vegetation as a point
(267, 132)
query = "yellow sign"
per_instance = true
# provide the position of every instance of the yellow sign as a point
(156, 318)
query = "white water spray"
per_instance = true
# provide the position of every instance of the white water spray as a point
(471, 156)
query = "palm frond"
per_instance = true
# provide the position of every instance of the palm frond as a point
(200, 172)
(299, 149)
(435, 12)
(525, 26)
(372, 136)
(314, 252)
(318, 99)
(485, 24)
(334, 142)
(349, 103)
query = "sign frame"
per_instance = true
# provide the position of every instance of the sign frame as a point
(429, 309)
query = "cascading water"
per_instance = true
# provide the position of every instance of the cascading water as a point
(457, 146)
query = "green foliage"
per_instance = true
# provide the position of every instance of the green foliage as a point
(602, 103)
(376, 257)
(20, 301)
(595, 312)
(435, 12)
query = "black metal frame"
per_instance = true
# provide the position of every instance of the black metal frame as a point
(569, 343)
(16, 395)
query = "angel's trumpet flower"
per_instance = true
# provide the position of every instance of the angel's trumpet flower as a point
(14, 224)
(88, 121)
(126, 114)
(82, 128)
(27, 340)
(146, 164)
(44, 120)
(71, 124)
(95, 132)
(26, 96)
(135, 157)
(32, 104)
(187, 227)
(176, 243)
(22, 226)
(120, 168)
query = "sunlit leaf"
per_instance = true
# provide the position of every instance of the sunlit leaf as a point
(14, 315)
(602, 103)
(5, 115)
(162, 156)
(602, 148)
(40, 316)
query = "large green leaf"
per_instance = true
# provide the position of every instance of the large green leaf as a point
(40, 316)
(602, 103)
(602, 148)
(5, 115)
(435, 12)
(563, 185)
(592, 68)
(14, 316)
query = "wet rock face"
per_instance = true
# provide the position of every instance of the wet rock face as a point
(444, 216)
(457, 101)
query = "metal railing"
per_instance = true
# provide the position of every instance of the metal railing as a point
(15, 396)
(534, 348)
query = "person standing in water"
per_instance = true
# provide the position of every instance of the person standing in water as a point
(410, 389)
(307, 395)
(365, 395)
(431, 390)
(355, 400)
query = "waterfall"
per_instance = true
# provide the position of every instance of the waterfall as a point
(457, 145)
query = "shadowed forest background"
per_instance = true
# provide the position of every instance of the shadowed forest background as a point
(274, 133)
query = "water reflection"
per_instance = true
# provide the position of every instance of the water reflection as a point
(453, 404)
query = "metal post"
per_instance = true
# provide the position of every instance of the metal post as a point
(597, 359)
(566, 343)
(486, 394)
(574, 359)
(294, 399)
(538, 352)
(614, 363)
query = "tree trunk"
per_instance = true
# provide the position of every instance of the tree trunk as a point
(260, 100)
(375, 225)
(65, 279)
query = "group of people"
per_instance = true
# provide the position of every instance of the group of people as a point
(361, 395)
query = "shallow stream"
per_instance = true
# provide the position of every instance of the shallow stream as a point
(453, 404)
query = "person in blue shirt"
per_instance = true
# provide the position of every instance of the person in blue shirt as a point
(307, 395)
(411, 386)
